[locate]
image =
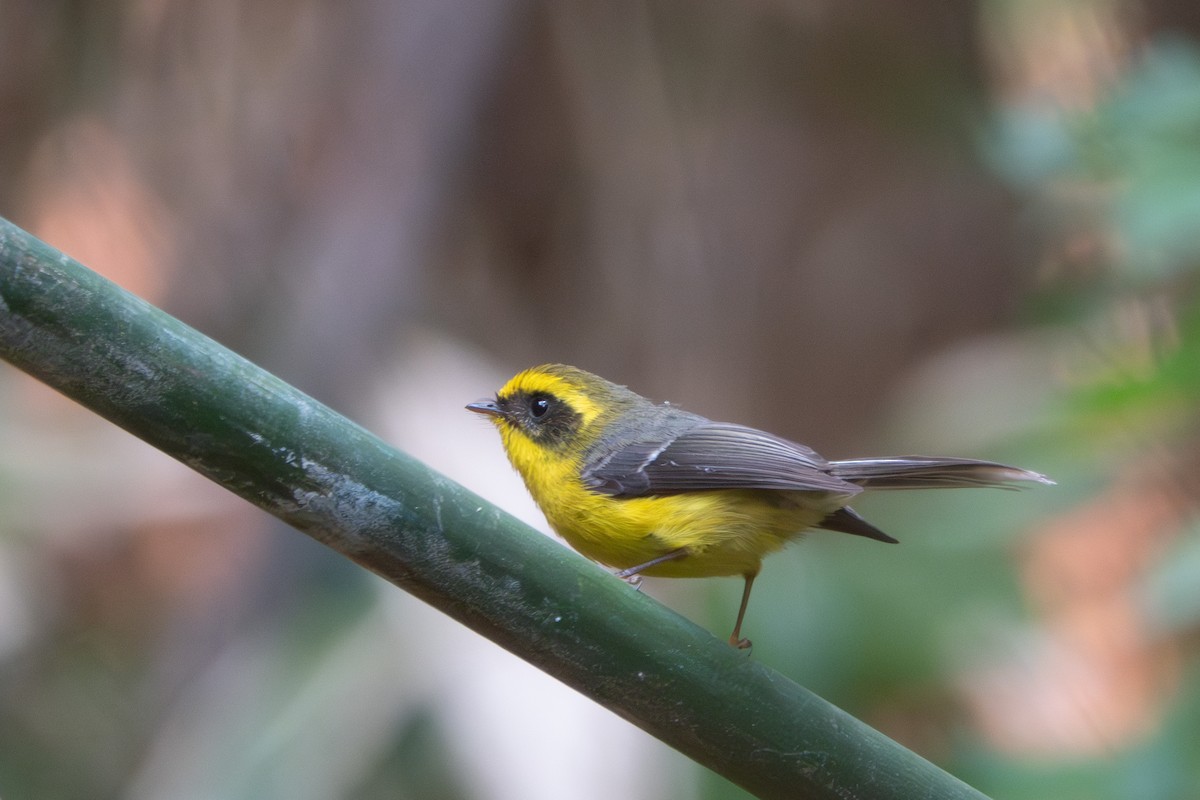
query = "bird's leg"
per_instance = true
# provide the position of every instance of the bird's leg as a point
(735, 638)
(633, 577)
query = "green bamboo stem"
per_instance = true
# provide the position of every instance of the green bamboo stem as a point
(272, 445)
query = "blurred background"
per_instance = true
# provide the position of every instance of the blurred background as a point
(963, 228)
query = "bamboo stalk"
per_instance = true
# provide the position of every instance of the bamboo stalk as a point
(264, 440)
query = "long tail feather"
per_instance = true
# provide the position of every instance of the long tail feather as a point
(924, 472)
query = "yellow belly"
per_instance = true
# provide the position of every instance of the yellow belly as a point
(724, 532)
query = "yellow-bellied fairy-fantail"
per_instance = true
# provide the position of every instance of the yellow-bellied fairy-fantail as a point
(651, 489)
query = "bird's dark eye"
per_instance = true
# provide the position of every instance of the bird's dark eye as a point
(538, 406)
(545, 418)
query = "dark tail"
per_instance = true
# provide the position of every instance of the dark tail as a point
(918, 472)
(923, 472)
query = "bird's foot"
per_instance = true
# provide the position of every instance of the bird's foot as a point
(740, 644)
(633, 580)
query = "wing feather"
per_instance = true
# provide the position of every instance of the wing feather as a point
(713, 455)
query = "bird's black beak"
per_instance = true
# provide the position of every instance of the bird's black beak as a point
(488, 407)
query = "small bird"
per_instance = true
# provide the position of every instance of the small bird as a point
(651, 489)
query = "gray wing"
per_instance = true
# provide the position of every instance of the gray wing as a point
(713, 455)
